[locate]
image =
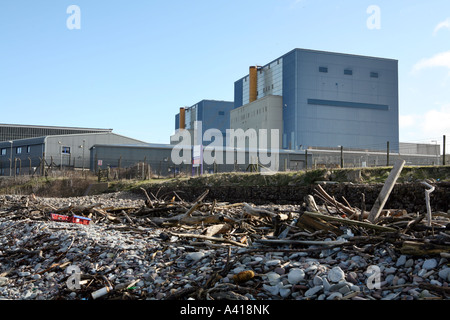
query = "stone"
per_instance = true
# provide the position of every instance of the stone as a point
(271, 263)
(336, 274)
(445, 274)
(296, 275)
(195, 256)
(273, 277)
(335, 296)
(409, 263)
(317, 280)
(313, 291)
(273, 290)
(401, 261)
(429, 264)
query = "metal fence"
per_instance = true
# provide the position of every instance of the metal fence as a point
(135, 168)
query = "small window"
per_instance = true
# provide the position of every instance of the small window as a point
(348, 72)
(221, 113)
(374, 74)
(18, 150)
(323, 69)
(28, 149)
(65, 150)
(3, 152)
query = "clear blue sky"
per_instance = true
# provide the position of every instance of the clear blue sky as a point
(132, 64)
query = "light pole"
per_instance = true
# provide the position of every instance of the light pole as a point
(10, 160)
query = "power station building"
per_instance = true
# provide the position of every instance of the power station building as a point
(322, 100)
(213, 114)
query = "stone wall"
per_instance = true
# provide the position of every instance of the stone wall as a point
(408, 196)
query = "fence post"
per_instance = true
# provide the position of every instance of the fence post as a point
(443, 155)
(387, 155)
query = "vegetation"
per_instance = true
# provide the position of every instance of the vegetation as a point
(76, 183)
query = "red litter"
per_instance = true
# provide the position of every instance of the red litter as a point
(73, 219)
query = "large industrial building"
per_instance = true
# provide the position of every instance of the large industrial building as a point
(10, 132)
(213, 114)
(324, 99)
(33, 155)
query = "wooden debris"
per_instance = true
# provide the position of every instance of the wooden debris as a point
(386, 190)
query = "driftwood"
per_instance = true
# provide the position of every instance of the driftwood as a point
(427, 201)
(199, 236)
(349, 222)
(386, 190)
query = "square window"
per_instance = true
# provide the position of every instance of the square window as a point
(348, 72)
(221, 113)
(3, 152)
(18, 150)
(374, 74)
(65, 150)
(323, 69)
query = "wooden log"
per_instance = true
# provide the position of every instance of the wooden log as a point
(420, 249)
(349, 221)
(258, 212)
(199, 236)
(386, 190)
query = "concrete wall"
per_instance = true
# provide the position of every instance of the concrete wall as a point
(264, 113)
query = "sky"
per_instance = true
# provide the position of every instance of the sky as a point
(130, 65)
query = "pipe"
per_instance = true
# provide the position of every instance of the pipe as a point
(253, 76)
(182, 118)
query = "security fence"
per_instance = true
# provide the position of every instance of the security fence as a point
(138, 167)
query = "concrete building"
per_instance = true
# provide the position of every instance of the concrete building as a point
(329, 99)
(157, 159)
(33, 155)
(213, 114)
(264, 113)
(10, 132)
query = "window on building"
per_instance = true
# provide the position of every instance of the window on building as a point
(28, 149)
(18, 150)
(65, 150)
(323, 69)
(221, 113)
(2, 172)
(3, 152)
(348, 72)
(374, 74)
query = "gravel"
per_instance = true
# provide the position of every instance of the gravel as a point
(37, 259)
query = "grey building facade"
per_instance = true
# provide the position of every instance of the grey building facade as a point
(329, 99)
(33, 155)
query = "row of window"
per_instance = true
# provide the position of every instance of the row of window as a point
(19, 150)
(348, 72)
(27, 149)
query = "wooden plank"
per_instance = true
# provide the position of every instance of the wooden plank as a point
(349, 221)
(386, 190)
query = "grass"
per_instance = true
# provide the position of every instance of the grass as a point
(74, 184)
